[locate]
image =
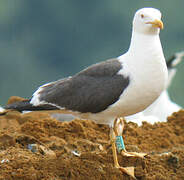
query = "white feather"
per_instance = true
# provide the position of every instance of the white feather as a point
(1, 109)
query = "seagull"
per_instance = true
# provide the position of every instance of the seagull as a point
(107, 91)
(163, 107)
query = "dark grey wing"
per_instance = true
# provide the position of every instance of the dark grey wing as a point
(174, 60)
(91, 90)
(170, 60)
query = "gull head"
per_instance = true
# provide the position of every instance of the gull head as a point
(147, 21)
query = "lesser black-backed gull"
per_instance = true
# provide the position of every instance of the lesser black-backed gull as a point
(114, 88)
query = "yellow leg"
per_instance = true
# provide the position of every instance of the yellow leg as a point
(113, 138)
(118, 129)
(127, 170)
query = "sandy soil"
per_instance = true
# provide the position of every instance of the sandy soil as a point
(35, 146)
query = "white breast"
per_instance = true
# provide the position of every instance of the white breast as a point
(147, 81)
(145, 64)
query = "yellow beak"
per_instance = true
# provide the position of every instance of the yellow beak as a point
(156, 23)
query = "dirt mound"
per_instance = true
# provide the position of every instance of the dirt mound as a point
(36, 146)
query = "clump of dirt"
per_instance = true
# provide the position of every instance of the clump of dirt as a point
(36, 146)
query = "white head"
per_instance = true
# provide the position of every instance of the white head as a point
(147, 21)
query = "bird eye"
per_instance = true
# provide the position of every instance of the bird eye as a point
(142, 15)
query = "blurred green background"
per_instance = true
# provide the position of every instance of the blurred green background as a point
(44, 40)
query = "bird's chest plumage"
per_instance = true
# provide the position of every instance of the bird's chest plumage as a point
(147, 80)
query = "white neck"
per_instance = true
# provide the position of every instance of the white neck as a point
(145, 55)
(145, 43)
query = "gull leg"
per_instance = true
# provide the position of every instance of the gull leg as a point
(127, 170)
(118, 129)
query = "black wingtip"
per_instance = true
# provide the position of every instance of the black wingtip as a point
(27, 106)
(174, 60)
(20, 105)
(170, 61)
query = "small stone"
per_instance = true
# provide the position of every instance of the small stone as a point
(173, 160)
(76, 153)
(4, 161)
(33, 147)
(46, 151)
(101, 147)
